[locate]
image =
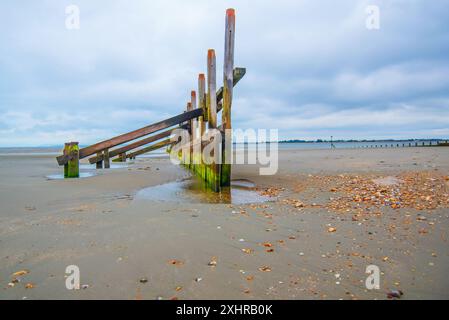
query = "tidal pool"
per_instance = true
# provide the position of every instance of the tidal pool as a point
(61, 176)
(193, 190)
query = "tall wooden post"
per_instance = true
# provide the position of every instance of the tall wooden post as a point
(72, 167)
(228, 80)
(194, 133)
(211, 89)
(107, 162)
(214, 172)
(202, 121)
(189, 162)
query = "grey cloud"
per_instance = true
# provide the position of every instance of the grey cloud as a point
(313, 69)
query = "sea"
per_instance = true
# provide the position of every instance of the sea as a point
(57, 150)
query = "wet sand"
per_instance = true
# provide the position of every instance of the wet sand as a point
(310, 241)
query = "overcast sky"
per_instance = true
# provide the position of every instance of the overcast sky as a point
(313, 68)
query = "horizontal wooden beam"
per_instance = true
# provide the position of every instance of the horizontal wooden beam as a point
(87, 151)
(153, 147)
(139, 143)
(186, 116)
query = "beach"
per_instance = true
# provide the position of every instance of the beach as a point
(136, 232)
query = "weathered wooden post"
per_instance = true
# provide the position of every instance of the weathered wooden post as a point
(107, 162)
(202, 121)
(72, 167)
(228, 80)
(194, 133)
(189, 162)
(213, 172)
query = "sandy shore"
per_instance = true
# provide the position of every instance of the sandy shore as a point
(331, 214)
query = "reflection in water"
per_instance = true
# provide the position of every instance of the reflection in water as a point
(193, 190)
(61, 176)
(113, 165)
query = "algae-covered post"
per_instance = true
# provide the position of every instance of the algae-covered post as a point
(195, 152)
(228, 84)
(71, 168)
(134, 145)
(213, 172)
(189, 160)
(202, 121)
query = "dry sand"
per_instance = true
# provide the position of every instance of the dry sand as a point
(312, 241)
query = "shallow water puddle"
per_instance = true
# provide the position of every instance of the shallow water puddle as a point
(61, 176)
(86, 174)
(112, 166)
(192, 190)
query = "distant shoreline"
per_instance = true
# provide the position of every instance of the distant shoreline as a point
(282, 141)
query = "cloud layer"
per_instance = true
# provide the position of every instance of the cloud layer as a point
(313, 68)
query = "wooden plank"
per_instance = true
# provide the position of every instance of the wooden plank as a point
(228, 67)
(106, 144)
(134, 145)
(153, 147)
(139, 133)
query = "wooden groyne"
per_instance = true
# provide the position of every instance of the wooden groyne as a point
(409, 144)
(200, 119)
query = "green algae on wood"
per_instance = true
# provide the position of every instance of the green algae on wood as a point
(72, 167)
(213, 172)
(228, 83)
